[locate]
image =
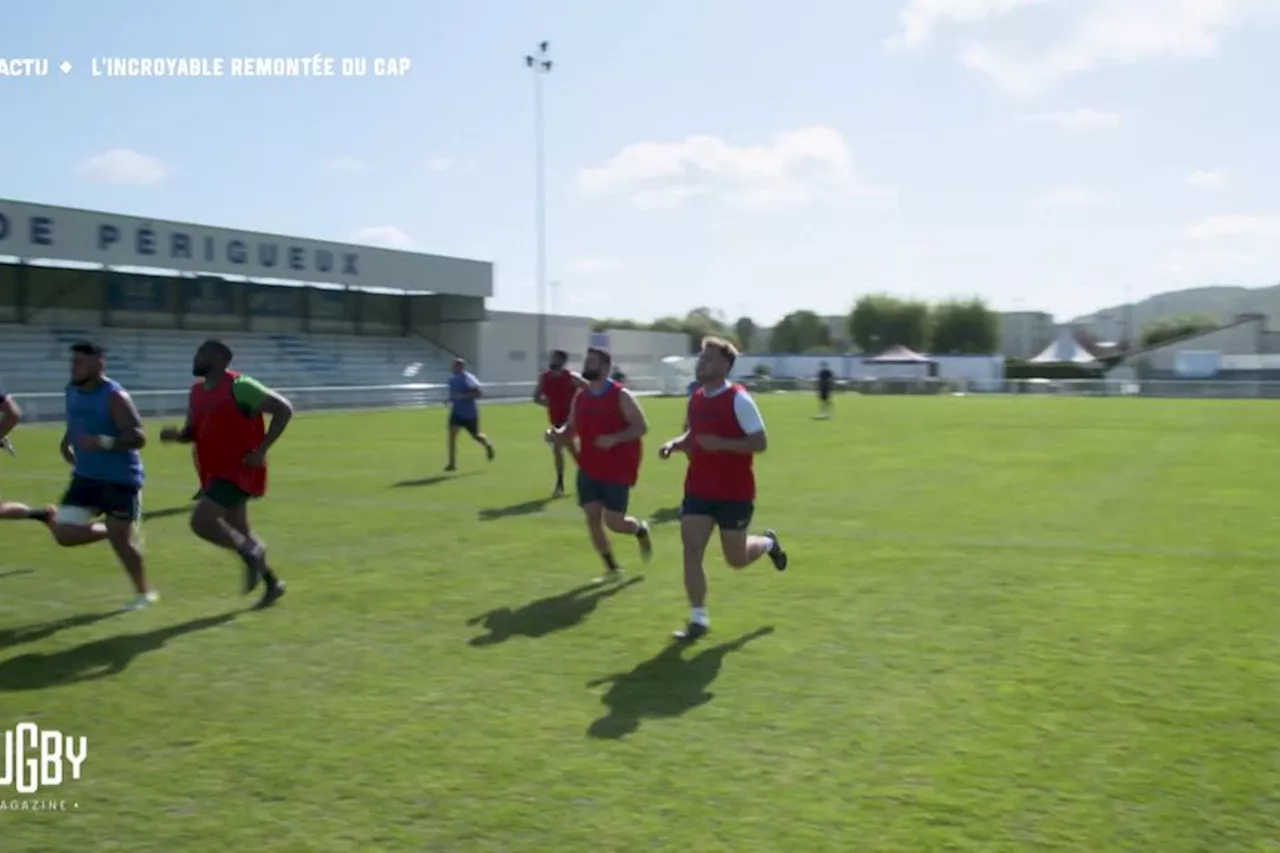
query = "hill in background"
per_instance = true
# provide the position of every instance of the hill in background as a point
(1225, 303)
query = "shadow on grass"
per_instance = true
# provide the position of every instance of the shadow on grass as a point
(666, 515)
(526, 508)
(167, 512)
(10, 637)
(546, 615)
(94, 660)
(13, 573)
(668, 685)
(431, 481)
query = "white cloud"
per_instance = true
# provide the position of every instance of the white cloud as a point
(1220, 227)
(920, 19)
(1084, 119)
(1092, 33)
(1235, 249)
(123, 166)
(345, 164)
(440, 164)
(383, 236)
(796, 168)
(1209, 179)
(592, 265)
(1071, 197)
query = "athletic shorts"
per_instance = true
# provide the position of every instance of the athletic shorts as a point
(225, 494)
(824, 393)
(87, 499)
(470, 425)
(728, 515)
(612, 496)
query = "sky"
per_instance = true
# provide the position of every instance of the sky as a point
(757, 158)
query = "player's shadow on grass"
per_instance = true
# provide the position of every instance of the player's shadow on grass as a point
(10, 637)
(13, 573)
(546, 615)
(666, 515)
(167, 512)
(526, 508)
(669, 685)
(97, 659)
(430, 481)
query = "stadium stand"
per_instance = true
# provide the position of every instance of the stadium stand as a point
(33, 359)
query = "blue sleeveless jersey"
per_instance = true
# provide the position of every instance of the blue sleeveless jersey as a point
(89, 413)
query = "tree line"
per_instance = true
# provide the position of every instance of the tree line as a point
(877, 322)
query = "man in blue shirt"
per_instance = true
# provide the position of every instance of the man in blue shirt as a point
(101, 444)
(10, 415)
(464, 411)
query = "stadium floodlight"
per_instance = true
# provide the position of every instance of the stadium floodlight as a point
(540, 64)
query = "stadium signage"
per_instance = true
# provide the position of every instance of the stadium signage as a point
(36, 758)
(33, 231)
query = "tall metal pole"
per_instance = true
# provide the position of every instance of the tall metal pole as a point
(540, 64)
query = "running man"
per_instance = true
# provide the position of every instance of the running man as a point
(225, 423)
(10, 417)
(725, 433)
(608, 422)
(101, 444)
(555, 391)
(826, 382)
(464, 411)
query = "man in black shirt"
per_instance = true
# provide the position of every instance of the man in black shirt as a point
(10, 414)
(826, 379)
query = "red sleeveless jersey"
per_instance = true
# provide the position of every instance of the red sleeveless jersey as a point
(600, 414)
(718, 476)
(559, 391)
(224, 435)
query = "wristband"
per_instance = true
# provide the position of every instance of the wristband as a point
(106, 441)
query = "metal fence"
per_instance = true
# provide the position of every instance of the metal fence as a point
(51, 406)
(1179, 388)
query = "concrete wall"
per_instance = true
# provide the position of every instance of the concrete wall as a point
(1240, 339)
(508, 344)
(1025, 334)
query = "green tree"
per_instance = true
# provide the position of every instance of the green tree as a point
(963, 328)
(799, 331)
(746, 330)
(1169, 328)
(879, 321)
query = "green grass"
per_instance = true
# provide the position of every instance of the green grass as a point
(1010, 625)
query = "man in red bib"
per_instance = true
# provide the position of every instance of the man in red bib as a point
(555, 391)
(608, 423)
(225, 422)
(725, 431)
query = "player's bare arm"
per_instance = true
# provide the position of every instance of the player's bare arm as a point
(280, 411)
(183, 435)
(539, 396)
(679, 444)
(10, 415)
(564, 434)
(756, 443)
(637, 424)
(128, 422)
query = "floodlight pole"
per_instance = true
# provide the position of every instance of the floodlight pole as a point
(539, 63)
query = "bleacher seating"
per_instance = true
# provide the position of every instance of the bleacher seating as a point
(35, 358)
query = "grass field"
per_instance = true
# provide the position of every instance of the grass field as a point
(1009, 625)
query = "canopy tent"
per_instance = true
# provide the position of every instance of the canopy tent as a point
(1065, 350)
(898, 355)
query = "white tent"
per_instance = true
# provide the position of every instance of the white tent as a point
(1065, 350)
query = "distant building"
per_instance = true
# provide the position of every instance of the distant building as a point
(1023, 334)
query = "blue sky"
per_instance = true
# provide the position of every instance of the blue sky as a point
(754, 157)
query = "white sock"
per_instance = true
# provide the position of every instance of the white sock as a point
(772, 543)
(700, 616)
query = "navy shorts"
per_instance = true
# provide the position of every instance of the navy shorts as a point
(117, 501)
(612, 496)
(470, 425)
(728, 515)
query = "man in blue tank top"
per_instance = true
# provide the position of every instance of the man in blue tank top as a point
(464, 411)
(101, 443)
(10, 416)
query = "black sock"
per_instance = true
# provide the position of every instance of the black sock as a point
(609, 562)
(270, 578)
(38, 515)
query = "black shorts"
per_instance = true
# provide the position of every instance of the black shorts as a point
(225, 494)
(470, 425)
(117, 501)
(612, 496)
(728, 515)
